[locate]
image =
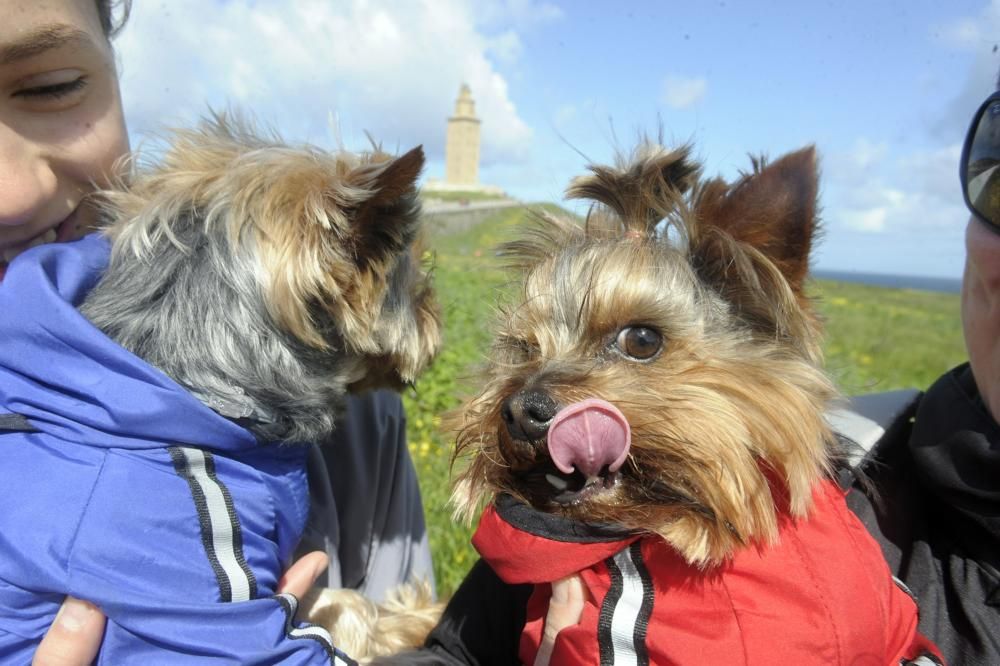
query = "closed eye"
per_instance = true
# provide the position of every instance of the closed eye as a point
(52, 91)
(521, 350)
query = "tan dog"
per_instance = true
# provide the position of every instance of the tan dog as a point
(651, 424)
(708, 346)
(270, 280)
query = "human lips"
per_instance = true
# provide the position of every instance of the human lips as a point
(62, 232)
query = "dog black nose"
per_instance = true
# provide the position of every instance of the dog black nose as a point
(528, 414)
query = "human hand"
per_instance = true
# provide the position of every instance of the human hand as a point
(565, 610)
(303, 573)
(75, 635)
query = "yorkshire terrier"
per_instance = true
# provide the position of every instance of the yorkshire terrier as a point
(652, 421)
(268, 281)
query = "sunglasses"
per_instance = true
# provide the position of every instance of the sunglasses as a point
(980, 165)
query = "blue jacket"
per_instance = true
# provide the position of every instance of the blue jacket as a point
(119, 487)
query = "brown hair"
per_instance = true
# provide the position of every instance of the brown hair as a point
(109, 21)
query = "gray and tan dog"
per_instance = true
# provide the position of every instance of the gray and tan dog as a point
(270, 280)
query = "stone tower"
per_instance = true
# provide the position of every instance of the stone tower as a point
(461, 152)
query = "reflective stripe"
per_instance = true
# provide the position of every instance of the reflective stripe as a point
(923, 660)
(905, 588)
(859, 429)
(220, 526)
(317, 633)
(626, 610)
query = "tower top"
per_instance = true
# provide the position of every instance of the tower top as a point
(465, 107)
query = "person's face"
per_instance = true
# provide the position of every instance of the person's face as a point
(981, 310)
(61, 122)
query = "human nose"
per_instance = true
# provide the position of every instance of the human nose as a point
(982, 252)
(27, 181)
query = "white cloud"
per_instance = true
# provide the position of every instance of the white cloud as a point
(855, 166)
(915, 192)
(964, 33)
(934, 172)
(523, 14)
(972, 32)
(979, 34)
(872, 219)
(682, 93)
(866, 153)
(506, 46)
(880, 208)
(389, 68)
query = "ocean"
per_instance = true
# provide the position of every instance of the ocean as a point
(948, 285)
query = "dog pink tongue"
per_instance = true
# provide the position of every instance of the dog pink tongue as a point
(588, 436)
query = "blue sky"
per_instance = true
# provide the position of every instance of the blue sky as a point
(884, 89)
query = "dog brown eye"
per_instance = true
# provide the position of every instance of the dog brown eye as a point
(639, 342)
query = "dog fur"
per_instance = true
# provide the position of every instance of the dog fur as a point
(727, 415)
(371, 630)
(270, 280)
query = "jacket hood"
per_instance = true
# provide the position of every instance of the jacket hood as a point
(73, 382)
(525, 545)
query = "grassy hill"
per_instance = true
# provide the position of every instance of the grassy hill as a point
(878, 339)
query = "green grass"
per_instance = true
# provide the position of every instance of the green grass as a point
(878, 339)
(468, 280)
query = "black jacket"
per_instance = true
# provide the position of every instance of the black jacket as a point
(936, 513)
(935, 510)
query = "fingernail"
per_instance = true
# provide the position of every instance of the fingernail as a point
(74, 614)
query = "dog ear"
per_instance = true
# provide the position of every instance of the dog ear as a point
(385, 223)
(397, 178)
(773, 210)
(640, 190)
(751, 243)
